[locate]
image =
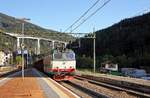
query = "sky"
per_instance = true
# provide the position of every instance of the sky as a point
(60, 14)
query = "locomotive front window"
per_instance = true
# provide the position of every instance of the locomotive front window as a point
(58, 56)
(70, 56)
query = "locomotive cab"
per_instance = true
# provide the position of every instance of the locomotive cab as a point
(60, 64)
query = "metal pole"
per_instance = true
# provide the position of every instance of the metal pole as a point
(27, 59)
(18, 43)
(53, 44)
(23, 50)
(38, 46)
(94, 57)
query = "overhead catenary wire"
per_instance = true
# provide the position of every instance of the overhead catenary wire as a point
(142, 12)
(82, 15)
(84, 20)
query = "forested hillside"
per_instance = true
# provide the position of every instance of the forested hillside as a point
(126, 43)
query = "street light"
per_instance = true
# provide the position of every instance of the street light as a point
(22, 44)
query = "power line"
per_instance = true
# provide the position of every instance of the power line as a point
(84, 20)
(82, 16)
(142, 12)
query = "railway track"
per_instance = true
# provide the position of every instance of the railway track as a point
(90, 88)
(117, 88)
(8, 73)
(82, 91)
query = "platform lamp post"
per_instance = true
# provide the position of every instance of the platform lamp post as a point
(22, 44)
(94, 55)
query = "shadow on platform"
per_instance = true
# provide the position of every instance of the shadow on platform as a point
(27, 73)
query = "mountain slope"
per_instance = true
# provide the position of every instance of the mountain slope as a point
(11, 24)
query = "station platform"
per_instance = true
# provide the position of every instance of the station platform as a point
(33, 85)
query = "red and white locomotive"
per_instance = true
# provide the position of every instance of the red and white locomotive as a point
(61, 65)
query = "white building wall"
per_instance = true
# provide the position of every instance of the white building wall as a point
(2, 58)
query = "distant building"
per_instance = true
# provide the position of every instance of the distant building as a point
(5, 58)
(2, 60)
(109, 66)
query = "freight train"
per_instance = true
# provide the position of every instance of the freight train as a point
(60, 65)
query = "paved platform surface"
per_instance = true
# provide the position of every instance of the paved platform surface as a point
(34, 85)
(22, 88)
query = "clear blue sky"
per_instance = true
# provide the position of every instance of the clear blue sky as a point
(59, 14)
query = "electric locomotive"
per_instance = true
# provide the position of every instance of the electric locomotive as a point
(61, 65)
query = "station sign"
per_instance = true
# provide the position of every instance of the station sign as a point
(24, 51)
